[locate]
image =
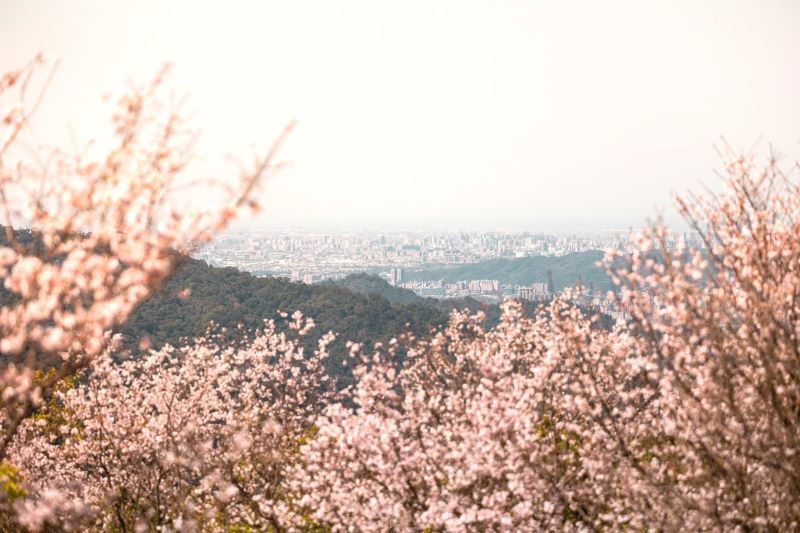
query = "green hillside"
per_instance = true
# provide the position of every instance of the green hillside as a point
(364, 283)
(525, 270)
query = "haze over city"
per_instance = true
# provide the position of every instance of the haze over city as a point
(513, 115)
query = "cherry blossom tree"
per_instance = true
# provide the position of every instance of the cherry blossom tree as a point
(484, 430)
(104, 232)
(721, 331)
(195, 438)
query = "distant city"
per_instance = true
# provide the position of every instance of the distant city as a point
(312, 257)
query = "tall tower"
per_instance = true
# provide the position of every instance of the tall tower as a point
(396, 276)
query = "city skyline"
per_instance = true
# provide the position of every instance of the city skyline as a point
(316, 256)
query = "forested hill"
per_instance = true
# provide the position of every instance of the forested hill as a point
(361, 307)
(228, 297)
(524, 270)
(364, 283)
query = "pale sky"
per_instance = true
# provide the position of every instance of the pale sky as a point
(525, 115)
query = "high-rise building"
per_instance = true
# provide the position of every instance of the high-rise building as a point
(396, 276)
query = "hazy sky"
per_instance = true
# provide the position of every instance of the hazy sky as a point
(529, 115)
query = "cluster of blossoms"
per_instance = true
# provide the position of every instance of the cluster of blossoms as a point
(685, 415)
(538, 424)
(196, 438)
(105, 233)
(721, 330)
